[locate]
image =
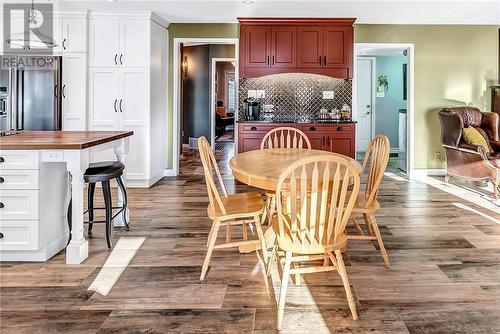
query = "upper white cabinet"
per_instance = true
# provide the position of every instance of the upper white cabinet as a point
(74, 34)
(119, 42)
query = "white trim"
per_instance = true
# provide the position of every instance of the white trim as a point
(176, 126)
(212, 98)
(420, 173)
(168, 172)
(410, 89)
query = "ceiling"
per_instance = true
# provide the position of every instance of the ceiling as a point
(366, 11)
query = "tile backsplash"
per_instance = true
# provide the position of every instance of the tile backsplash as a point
(296, 96)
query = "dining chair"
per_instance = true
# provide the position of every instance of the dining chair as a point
(281, 137)
(314, 197)
(228, 210)
(376, 157)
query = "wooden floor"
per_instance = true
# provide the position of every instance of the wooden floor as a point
(445, 274)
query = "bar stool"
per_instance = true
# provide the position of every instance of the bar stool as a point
(103, 172)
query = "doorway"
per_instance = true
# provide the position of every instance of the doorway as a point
(194, 113)
(223, 104)
(383, 99)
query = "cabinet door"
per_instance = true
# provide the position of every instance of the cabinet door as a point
(317, 140)
(336, 49)
(103, 99)
(309, 46)
(249, 141)
(257, 46)
(342, 145)
(284, 42)
(133, 108)
(134, 43)
(74, 88)
(104, 43)
(74, 32)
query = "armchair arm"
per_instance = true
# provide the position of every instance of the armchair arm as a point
(495, 145)
(466, 148)
(489, 124)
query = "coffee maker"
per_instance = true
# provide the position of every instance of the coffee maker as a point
(252, 109)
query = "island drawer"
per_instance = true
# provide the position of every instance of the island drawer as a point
(18, 204)
(13, 159)
(14, 179)
(19, 235)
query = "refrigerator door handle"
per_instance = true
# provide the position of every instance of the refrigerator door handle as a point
(20, 103)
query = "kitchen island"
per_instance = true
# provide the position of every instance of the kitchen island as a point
(39, 172)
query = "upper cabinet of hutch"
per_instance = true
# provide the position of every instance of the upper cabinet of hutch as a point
(319, 46)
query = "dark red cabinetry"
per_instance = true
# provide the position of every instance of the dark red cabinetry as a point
(319, 46)
(333, 137)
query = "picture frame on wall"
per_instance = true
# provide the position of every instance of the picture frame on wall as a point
(405, 82)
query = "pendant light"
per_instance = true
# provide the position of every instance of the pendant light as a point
(26, 43)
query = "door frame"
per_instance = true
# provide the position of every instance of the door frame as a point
(176, 125)
(212, 97)
(373, 60)
(410, 147)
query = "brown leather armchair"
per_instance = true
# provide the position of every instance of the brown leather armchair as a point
(470, 161)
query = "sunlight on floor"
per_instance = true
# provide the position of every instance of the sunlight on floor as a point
(468, 208)
(396, 177)
(120, 257)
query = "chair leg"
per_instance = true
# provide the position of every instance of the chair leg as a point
(106, 192)
(264, 214)
(245, 231)
(284, 285)
(447, 178)
(211, 244)
(368, 225)
(357, 227)
(124, 192)
(70, 219)
(345, 280)
(270, 260)
(376, 231)
(90, 200)
(297, 279)
(272, 209)
(262, 239)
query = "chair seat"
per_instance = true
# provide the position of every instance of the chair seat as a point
(103, 171)
(360, 205)
(239, 206)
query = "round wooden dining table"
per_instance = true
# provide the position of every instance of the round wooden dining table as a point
(262, 168)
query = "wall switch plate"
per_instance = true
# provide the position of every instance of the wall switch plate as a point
(252, 93)
(328, 94)
(261, 94)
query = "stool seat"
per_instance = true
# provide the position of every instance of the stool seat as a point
(103, 171)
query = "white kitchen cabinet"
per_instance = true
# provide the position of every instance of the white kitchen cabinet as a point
(130, 94)
(74, 34)
(74, 87)
(104, 43)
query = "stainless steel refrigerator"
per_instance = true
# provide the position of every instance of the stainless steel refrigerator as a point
(30, 93)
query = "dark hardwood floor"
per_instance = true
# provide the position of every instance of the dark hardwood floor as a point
(443, 242)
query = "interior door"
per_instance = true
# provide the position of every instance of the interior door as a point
(257, 46)
(310, 46)
(364, 101)
(104, 43)
(284, 41)
(134, 35)
(133, 102)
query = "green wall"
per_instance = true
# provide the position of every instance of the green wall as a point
(454, 65)
(190, 30)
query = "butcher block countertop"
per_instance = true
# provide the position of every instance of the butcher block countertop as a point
(68, 140)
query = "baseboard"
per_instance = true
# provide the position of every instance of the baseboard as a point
(41, 255)
(144, 183)
(169, 172)
(422, 173)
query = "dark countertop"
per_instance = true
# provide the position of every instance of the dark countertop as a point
(299, 122)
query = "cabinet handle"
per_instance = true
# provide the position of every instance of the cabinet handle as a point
(319, 60)
(64, 91)
(121, 105)
(328, 142)
(324, 60)
(339, 128)
(115, 105)
(267, 60)
(273, 60)
(323, 141)
(312, 128)
(2, 180)
(1, 205)
(253, 128)
(64, 44)
(121, 62)
(55, 91)
(1, 235)
(116, 63)
(2, 159)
